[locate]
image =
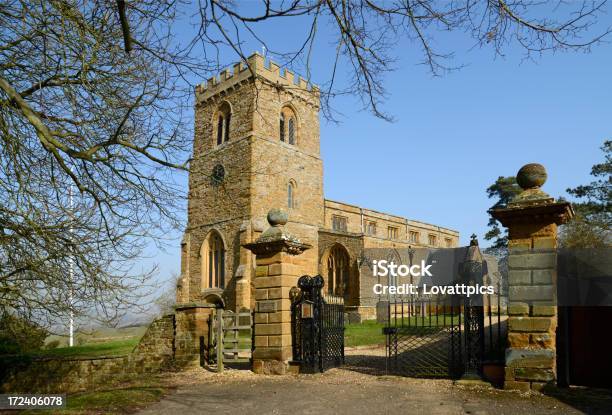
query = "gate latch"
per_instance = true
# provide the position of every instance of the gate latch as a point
(307, 309)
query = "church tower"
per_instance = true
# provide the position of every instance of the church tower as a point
(256, 147)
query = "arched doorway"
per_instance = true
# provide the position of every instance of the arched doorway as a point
(338, 268)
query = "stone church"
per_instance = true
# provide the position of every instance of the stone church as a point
(257, 147)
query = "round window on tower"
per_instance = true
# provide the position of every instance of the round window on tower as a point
(218, 174)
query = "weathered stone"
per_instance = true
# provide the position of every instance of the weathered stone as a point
(285, 269)
(530, 292)
(261, 294)
(529, 324)
(516, 246)
(518, 340)
(261, 341)
(69, 375)
(532, 260)
(540, 358)
(544, 243)
(543, 310)
(533, 374)
(272, 329)
(519, 277)
(542, 276)
(261, 271)
(508, 373)
(279, 340)
(270, 367)
(279, 317)
(517, 308)
(543, 340)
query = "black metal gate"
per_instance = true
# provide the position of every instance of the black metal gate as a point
(317, 327)
(444, 336)
(447, 335)
(423, 337)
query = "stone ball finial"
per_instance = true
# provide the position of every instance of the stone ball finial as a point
(531, 176)
(277, 217)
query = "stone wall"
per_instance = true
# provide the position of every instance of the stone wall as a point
(29, 374)
(60, 375)
(155, 350)
(191, 334)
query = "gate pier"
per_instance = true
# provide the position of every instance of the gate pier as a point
(278, 269)
(532, 219)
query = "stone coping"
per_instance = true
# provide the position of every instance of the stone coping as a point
(557, 212)
(195, 305)
(270, 247)
(63, 358)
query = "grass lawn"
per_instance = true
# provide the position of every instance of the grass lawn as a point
(369, 332)
(110, 348)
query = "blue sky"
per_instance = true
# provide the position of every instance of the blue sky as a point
(454, 135)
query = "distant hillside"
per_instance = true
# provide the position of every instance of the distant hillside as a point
(101, 335)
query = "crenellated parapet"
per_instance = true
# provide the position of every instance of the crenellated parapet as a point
(256, 67)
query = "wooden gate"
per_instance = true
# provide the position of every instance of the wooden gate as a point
(230, 337)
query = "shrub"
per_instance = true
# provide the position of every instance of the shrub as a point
(19, 335)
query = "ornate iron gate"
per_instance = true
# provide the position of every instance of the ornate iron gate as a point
(317, 326)
(423, 337)
(447, 336)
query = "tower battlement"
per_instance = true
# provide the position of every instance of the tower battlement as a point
(243, 71)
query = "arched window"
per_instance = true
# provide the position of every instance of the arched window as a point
(226, 134)
(291, 130)
(213, 261)
(288, 126)
(291, 202)
(282, 127)
(338, 271)
(224, 117)
(220, 124)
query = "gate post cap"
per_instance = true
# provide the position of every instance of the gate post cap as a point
(277, 217)
(276, 238)
(531, 176)
(533, 205)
